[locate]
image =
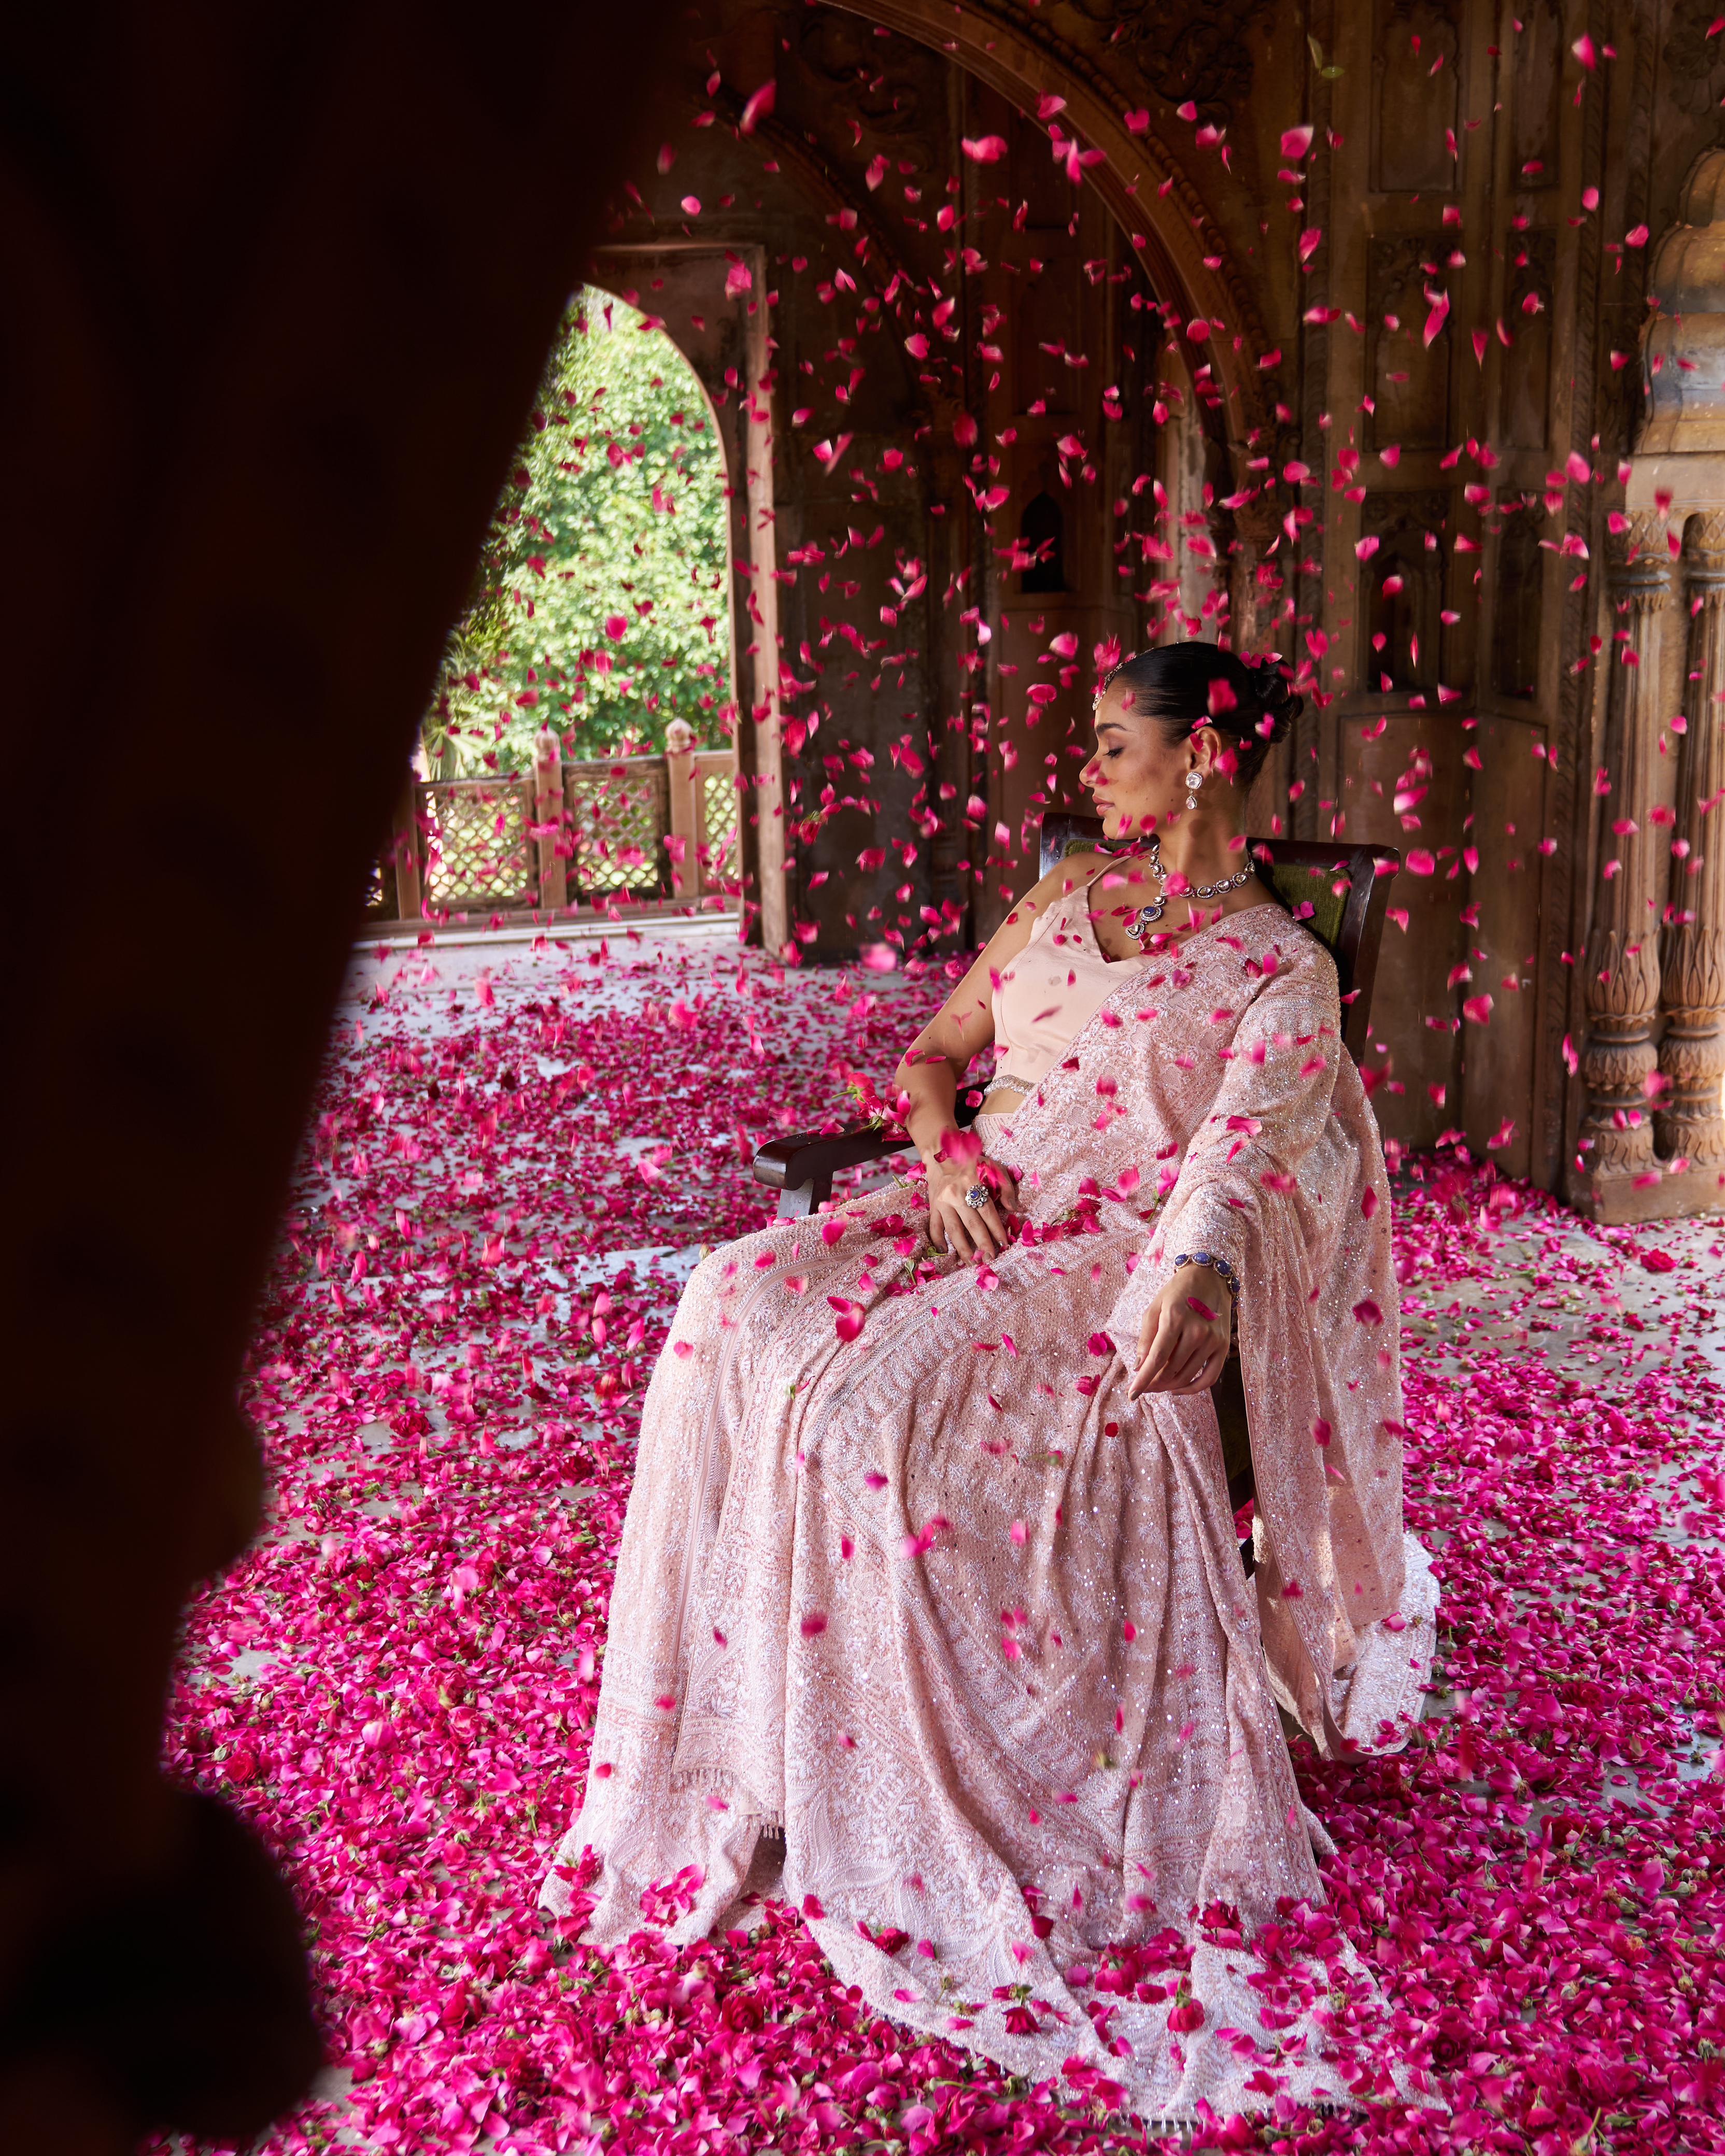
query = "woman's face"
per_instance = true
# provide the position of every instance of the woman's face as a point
(1137, 775)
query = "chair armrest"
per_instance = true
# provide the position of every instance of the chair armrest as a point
(801, 1166)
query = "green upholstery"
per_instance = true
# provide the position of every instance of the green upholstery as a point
(1325, 890)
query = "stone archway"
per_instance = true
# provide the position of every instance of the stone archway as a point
(838, 186)
(1172, 233)
(720, 324)
(1216, 340)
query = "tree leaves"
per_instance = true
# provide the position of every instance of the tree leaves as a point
(599, 604)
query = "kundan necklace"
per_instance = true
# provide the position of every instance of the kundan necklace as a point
(1141, 923)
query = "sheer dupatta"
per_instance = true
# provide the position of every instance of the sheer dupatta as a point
(907, 1578)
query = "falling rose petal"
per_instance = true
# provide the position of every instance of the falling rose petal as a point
(690, 205)
(1017, 1531)
(813, 1624)
(985, 149)
(1296, 142)
(760, 102)
(616, 626)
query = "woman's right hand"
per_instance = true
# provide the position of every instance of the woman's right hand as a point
(968, 1231)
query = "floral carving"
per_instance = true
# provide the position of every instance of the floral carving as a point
(1184, 49)
(1694, 68)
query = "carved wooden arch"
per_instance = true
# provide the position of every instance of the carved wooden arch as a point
(1022, 62)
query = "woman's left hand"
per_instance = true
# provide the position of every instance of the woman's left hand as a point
(1182, 1342)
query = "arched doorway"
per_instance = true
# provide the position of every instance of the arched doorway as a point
(951, 328)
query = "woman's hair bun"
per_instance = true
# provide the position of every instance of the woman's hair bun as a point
(1196, 684)
(1276, 697)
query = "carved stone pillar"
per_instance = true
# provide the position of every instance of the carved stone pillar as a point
(1692, 986)
(1622, 980)
(1257, 578)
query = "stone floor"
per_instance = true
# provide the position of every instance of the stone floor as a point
(1607, 1319)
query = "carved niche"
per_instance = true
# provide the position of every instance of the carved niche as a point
(1409, 379)
(1694, 71)
(1042, 545)
(1416, 78)
(1184, 48)
(1526, 367)
(1518, 591)
(892, 86)
(1403, 595)
(1535, 110)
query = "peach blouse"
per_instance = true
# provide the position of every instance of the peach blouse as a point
(1057, 983)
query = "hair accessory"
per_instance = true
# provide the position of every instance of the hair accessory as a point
(1107, 681)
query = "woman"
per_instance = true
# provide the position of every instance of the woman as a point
(929, 1613)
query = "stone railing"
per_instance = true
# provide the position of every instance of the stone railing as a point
(564, 836)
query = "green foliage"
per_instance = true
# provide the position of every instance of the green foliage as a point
(600, 604)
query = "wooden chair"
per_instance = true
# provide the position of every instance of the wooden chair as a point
(1346, 891)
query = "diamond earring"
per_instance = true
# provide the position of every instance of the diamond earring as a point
(1195, 779)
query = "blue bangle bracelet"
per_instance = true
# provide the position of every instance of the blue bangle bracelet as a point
(1216, 1265)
